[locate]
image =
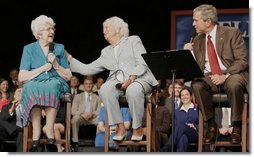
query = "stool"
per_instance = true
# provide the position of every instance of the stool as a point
(147, 142)
(27, 131)
(222, 98)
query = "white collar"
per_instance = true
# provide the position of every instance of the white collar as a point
(191, 105)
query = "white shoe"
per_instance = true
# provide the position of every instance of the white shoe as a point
(119, 138)
(137, 138)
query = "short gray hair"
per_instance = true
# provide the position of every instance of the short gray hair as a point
(39, 23)
(207, 12)
(118, 23)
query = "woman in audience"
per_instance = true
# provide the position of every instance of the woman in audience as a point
(5, 95)
(186, 123)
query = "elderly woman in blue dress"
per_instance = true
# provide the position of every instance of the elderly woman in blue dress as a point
(186, 123)
(44, 73)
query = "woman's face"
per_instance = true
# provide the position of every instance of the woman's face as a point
(109, 32)
(4, 86)
(47, 34)
(186, 97)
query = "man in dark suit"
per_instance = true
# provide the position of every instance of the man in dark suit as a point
(8, 128)
(13, 82)
(74, 86)
(231, 74)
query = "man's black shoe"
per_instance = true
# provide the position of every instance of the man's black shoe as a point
(166, 148)
(75, 147)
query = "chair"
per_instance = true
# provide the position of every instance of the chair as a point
(222, 98)
(27, 131)
(147, 141)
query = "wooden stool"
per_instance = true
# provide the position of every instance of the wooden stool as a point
(28, 130)
(147, 142)
(222, 98)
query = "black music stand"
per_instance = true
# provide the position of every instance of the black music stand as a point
(173, 64)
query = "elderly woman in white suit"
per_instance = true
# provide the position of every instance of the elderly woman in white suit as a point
(127, 69)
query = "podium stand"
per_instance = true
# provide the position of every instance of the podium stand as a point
(173, 64)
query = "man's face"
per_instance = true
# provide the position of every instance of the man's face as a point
(14, 75)
(74, 82)
(178, 88)
(199, 24)
(88, 85)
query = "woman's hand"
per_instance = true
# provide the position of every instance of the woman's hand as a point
(191, 125)
(47, 67)
(51, 58)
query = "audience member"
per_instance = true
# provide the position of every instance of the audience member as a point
(168, 101)
(74, 84)
(186, 124)
(5, 95)
(13, 83)
(8, 128)
(85, 110)
(98, 84)
(160, 121)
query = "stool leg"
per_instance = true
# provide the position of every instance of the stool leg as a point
(106, 134)
(200, 131)
(149, 126)
(25, 139)
(244, 127)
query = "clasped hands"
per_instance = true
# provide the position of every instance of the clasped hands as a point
(86, 115)
(52, 62)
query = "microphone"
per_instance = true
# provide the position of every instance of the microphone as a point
(193, 34)
(51, 47)
(118, 86)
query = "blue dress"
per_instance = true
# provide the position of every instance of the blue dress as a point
(48, 88)
(100, 136)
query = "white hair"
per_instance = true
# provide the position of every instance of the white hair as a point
(118, 23)
(39, 23)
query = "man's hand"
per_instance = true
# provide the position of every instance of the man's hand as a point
(218, 79)
(86, 115)
(188, 46)
(223, 131)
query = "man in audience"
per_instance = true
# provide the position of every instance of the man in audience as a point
(85, 110)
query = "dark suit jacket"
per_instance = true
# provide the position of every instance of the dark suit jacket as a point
(168, 105)
(161, 126)
(8, 128)
(7, 121)
(230, 48)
